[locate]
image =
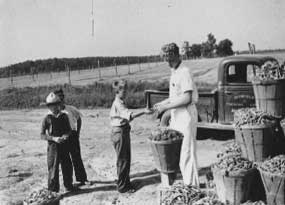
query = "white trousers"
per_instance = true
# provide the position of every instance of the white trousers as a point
(185, 121)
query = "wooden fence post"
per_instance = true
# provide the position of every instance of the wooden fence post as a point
(115, 66)
(68, 73)
(11, 77)
(99, 70)
(139, 65)
(129, 69)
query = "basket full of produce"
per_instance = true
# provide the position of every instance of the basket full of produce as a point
(236, 180)
(166, 146)
(42, 197)
(254, 132)
(229, 150)
(268, 86)
(272, 172)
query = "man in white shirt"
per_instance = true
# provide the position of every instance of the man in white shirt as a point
(183, 96)
(75, 121)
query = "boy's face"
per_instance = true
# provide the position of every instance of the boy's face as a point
(54, 108)
(122, 93)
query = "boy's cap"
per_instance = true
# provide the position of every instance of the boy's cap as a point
(52, 99)
(119, 85)
(170, 48)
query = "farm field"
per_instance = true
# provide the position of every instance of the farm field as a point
(204, 70)
(23, 159)
(23, 154)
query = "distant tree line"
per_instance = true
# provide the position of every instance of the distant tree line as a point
(59, 64)
(208, 49)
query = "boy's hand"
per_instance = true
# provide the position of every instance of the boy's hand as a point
(57, 139)
(64, 137)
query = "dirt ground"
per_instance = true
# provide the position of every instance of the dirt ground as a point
(24, 168)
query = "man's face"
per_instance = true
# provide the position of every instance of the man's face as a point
(54, 108)
(171, 58)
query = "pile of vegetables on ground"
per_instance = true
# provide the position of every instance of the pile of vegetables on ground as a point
(232, 165)
(270, 70)
(275, 166)
(181, 194)
(165, 134)
(42, 196)
(251, 116)
(230, 149)
(254, 203)
(209, 200)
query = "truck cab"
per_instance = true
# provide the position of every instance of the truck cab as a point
(234, 90)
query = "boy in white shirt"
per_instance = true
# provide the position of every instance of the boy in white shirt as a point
(120, 117)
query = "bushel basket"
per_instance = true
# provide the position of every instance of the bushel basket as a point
(166, 155)
(274, 187)
(256, 141)
(237, 188)
(270, 96)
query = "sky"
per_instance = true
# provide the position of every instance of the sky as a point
(40, 29)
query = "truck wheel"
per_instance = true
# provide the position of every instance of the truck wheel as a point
(165, 119)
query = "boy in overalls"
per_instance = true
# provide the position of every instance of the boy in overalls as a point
(56, 130)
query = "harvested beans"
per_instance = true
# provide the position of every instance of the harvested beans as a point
(231, 149)
(181, 194)
(254, 203)
(166, 134)
(276, 165)
(251, 116)
(270, 70)
(41, 196)
(208, 201)
(234, 164)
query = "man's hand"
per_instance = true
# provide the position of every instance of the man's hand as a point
(148, 111)
(160, 108)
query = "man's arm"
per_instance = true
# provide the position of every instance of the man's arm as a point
(180, 101)
(164, 102)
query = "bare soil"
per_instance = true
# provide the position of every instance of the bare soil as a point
(24, 168)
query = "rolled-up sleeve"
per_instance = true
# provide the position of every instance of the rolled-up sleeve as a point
(124, 112)
(186, 81)
(44, 126)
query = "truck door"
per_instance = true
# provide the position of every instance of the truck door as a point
(236, 91)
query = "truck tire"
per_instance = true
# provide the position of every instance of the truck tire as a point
(165, 119)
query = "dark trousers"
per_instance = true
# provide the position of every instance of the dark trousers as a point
(80, 173)
(121, 141)
(58, 154)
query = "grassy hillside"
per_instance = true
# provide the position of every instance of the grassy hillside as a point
(87, 90)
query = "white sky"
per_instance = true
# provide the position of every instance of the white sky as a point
(39, 29)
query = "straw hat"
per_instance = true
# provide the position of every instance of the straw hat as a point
(52, 99)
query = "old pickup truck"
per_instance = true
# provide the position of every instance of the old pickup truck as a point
(233, 91)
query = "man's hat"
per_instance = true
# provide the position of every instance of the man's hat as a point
(170, 48)
(119, 85)
(52, 99)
